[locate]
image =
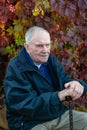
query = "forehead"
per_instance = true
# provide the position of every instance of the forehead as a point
(42, 37)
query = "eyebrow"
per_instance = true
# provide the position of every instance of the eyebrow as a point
(43, 42)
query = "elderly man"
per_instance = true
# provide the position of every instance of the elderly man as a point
(36, 86)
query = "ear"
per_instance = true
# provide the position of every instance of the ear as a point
(26, 46)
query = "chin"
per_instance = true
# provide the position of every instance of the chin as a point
(44, 61)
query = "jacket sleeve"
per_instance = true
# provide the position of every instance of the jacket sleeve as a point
(63, 76)
(21, 98)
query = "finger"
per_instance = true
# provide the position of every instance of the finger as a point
(79, 89)
(70, 84)
(76, 94)
(67, 85)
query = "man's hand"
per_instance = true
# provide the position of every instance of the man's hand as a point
(73, 89)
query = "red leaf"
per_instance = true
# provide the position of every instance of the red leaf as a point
(82, 4)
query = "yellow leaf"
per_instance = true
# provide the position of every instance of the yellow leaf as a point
(19, 8)
(35, 11)
(42, 12)
(18, 5)
(2, 25)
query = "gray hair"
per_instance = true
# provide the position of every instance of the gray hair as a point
(29, 35)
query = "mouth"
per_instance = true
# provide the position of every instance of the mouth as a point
(44, 54)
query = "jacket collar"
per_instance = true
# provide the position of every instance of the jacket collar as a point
(25, 62)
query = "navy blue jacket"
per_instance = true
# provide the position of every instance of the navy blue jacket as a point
(30, 97)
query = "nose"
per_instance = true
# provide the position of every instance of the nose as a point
(44, 47)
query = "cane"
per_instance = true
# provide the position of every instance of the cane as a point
(70, 105)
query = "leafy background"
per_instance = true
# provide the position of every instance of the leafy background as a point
(66, 21)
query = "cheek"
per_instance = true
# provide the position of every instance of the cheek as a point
(34, 54)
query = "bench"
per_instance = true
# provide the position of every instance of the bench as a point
(3, 121)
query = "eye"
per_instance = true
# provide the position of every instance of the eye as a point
(47, 45)
(39, 46)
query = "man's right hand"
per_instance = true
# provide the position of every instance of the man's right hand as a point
(73, 89)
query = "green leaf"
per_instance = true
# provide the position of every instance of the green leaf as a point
(10, 30)
(18, 27)
(46, 4)
(9, 49)
(19, 42)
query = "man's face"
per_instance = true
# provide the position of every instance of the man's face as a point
(39, 48)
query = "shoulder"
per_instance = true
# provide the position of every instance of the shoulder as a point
(17, 59)
(12, 61)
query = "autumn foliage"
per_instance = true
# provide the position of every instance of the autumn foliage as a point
(66, 21)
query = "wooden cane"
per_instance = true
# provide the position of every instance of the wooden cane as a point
(70, 105)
